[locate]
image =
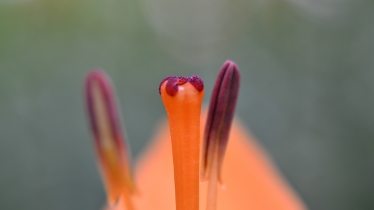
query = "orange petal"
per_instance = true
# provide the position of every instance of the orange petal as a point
(155, 174)
(251, 180)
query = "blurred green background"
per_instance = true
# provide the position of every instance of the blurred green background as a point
(307, 87)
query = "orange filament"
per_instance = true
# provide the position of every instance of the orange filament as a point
(183, 110)
(213, 180)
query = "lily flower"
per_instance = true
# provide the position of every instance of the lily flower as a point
(186, 160)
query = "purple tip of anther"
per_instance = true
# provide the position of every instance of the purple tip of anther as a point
(99, 78)
(221, 111)
(174, 81)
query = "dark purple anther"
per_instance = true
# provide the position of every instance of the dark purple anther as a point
(220, 115)
(98, 83)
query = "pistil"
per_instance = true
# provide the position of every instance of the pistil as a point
(182, 98)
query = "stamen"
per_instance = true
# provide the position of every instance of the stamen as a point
(110, 144)
(217, 129)
(182, 98)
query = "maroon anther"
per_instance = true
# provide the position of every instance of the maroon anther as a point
(103, 83)
(220, 115)
(174, 81)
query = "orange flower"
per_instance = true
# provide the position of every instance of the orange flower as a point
(167, 174)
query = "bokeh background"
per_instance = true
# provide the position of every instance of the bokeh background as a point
(307, 88)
